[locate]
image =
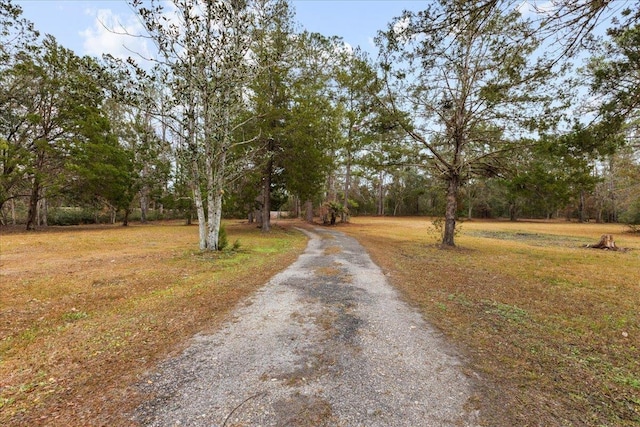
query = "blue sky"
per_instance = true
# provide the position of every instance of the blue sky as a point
(76, 23)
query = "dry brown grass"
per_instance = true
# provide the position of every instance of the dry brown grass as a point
(552, 328)
(85, 310)
(332, 250)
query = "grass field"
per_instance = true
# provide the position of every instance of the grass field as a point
(550, 330)
(85, 310)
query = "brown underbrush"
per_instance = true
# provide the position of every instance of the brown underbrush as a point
(551, 329)
(84, 311)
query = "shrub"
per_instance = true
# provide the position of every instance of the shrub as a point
(223, 241)
(631, 217)
(71, 216)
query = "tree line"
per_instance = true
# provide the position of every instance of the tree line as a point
(474, 109)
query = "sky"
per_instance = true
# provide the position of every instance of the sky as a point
(78, 24)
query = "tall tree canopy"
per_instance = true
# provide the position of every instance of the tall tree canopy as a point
(470, 88)
(239, 101)
(205, 52)
(54, 113)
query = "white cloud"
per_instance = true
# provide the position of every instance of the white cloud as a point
(116, 35)
(400, 30)
(344, 48)
(401, 25)
(531, 7)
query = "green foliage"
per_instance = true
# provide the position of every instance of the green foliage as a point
(437, 228)
(465, 90)
(58, 97)
(631, 216)
(73, 216)
(74, 315)
(223, 240)
(615, 78)
(337, 208)
(456, 104)
(297, 125)
(554, 172)
(312, 124)
(102, 167)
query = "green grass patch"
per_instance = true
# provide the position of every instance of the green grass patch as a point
(533, 239)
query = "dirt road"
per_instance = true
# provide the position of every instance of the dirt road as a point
(325, 342)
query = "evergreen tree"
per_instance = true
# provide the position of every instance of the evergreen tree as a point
(465, 75)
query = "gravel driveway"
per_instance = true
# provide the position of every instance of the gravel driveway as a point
(325, 342)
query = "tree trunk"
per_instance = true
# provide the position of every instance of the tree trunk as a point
(581, 207)
(215, 219)
(215, 167)
(39, 213)
(450, 213)
(309, 211)
(197, 198)
(331, 188)
(258, 213)
(192, 149)
(380, 205)
(32, 214)
(13, 212)
(613, 215)
(202, 219)
(266, 194)
(513, 212)
(43, 212)
(297, 211)
(347, 183)
(144, 204)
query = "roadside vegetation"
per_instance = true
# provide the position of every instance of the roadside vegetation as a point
(85, 310)
(551, 328)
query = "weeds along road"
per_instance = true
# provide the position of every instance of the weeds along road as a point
(325, 342)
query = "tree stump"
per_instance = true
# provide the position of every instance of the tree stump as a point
(606, 242)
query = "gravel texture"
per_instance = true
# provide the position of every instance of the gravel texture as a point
(325, 342)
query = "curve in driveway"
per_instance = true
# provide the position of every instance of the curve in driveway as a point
(325, 342)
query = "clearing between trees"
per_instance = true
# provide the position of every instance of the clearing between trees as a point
(550, 327)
